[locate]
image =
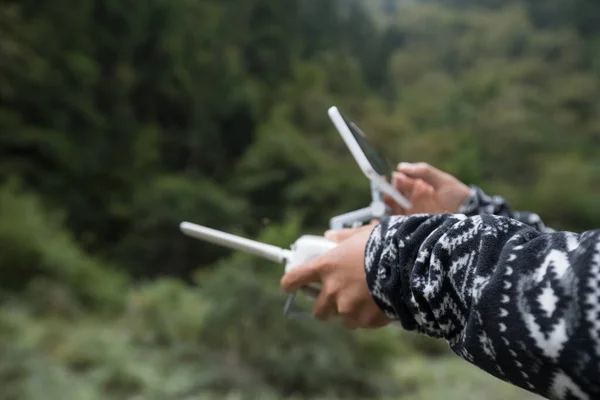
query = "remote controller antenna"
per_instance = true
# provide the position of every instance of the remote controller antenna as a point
(302, 250)
(267, 251)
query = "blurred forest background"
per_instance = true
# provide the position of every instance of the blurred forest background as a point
(119, 119)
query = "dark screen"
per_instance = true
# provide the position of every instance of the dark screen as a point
(379, 163)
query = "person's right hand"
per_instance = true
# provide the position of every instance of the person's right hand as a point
(429, 189)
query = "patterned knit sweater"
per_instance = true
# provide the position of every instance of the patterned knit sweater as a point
(508, 294)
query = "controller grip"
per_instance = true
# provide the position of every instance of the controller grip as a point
(306, 248)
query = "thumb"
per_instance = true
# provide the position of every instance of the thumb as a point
(424, 171)
(302, 275)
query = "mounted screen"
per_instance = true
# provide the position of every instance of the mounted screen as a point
(379, 163)
(373, 164)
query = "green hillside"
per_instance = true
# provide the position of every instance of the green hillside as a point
(120, 119)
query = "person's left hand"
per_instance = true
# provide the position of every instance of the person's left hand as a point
(423, 196)
(344, 289)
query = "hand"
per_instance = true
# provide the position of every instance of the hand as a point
(343, 234)
(422, 196)
(430, 190)
(344, 289)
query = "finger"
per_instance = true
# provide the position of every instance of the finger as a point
(396, 208)
(424, 171)
(424, 195)
(365, 318)
(324, 306)
(302, 275)
(422, 191)
(403, 183)
(374, 323)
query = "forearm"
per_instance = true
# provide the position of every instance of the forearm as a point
(520, 304)
(479, 203)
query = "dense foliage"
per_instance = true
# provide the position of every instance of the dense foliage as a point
(120, 119)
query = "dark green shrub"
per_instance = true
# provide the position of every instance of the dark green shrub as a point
(34, 247)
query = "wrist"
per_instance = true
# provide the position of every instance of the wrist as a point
(470, 204)
(382, 270)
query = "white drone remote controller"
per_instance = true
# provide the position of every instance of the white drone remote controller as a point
(308, 247)
(304, 249)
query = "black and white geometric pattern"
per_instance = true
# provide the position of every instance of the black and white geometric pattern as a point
(509, 295)
(479, 203)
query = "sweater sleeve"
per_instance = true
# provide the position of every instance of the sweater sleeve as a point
(520, 304)
(479, 203)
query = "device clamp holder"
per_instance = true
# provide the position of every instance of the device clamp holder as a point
(354, 219)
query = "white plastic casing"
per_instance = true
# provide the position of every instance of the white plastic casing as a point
(304, 249)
